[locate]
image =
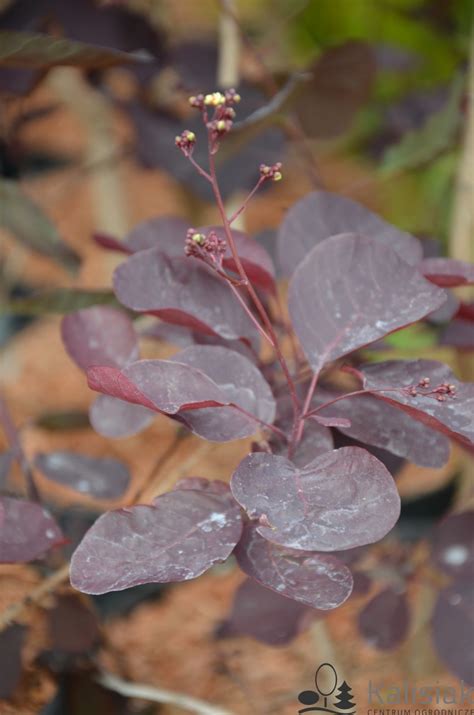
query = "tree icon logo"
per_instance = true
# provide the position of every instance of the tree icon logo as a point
(328, 697)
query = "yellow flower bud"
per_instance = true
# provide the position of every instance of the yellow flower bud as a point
(277, 176)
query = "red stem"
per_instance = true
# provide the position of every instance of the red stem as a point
(249, 197)
(365, 391)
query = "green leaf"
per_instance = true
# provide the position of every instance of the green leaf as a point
(437, 134)
(27, 222)
(35, 51)
(58, 300)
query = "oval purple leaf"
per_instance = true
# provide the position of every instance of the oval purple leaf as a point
(162, 385)
(453, 628)
(385, 620)
(343, 499)
(379, 424)
(317, 580)
(322, 214)
(448, 413)
(177, 539)
(181, 291)
(99, 336)
(102, 478)
(168, 233)
(452, 544)
(316, 440)
(27, 531)
(448, 272)
(241, 383)
(264, 615)
(358, 291)
(115, 418)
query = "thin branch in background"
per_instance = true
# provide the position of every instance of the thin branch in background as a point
(229, 47)
(159, 695)
(14, 441)
(151, 479)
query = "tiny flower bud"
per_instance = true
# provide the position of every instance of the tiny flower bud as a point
(216, 99)
(197, 101)
(271, 172)
(277, 176)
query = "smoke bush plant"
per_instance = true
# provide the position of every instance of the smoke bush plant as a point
(295, 500)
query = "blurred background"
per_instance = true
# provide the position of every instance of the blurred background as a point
(370, 99)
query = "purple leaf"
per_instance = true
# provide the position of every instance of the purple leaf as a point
(240, 382)
(99, 336)
(459, 334)
(115, 418)
(211, 486)
(6, 461)
(343, 499)
(181, 291)
(316, 440)
(73, 626)
(385, 620)
(452, 544)
(110, 243)
(321, 214)
(362, 583)
(161, 385)
(27, 531)
(102, 478)
(332, 421)
(452, 415)
(166, 232)
(357, 291)
(448, 272)
(177, 539)
(184, 337)
(453, 628)
(447, 311)
(11, 646)
(316, 580)
(264, 615)
(379, 424)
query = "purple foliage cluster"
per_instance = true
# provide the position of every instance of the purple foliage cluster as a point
(294, 503)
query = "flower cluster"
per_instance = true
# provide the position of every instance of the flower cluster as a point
(186, 141)
(441, 392)
(221, 121)
(206, 247)
(272, 173)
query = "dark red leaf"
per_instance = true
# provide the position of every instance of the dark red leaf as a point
(341, 83)
(180, 537)
(385, 620)
(332, 421)
(115, 418)
(240, 382)
(453, 416)
(316, 440)
(105, 240)
(100, 336)
(452, 544)
(27, 531)
(448, 272)
(211, 486)
(181, 291)
(453, 628)
(184, 337)
(11, 645)
(265, 615)
(356, 291)
(316, 580)
(161, 385)
(373, 422)
(99, 477)
(459, 334)
(73, 626)
(321, 214)
(165, 232)
(343, 499)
